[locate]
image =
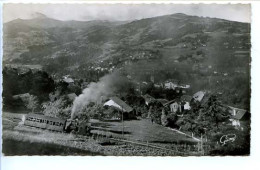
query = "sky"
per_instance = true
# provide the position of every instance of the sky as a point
(123, 12)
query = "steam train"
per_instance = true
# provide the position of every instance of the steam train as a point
(56, 124)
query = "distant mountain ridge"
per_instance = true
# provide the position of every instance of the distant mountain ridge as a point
(206, 53)
(81, 41)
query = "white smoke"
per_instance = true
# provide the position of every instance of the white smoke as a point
(107, 86)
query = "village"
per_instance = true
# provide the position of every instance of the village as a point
(181, 103)
(155, 114)
(175, 84)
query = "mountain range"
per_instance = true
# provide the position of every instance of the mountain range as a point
(197, 50)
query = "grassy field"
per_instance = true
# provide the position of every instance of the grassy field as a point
(14, 147)
(143, 130)
(22, 140)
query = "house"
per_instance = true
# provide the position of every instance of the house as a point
(118, 104)
(186, 99)
(237, 115)
(175, 85)
(170, 84)
(67, 79)
(174, 105)
(148, 99)
(121, 107)
(199, 96)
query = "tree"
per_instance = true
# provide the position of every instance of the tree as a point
(57, 108)
(18, 81)
(204, 118)
(212, 114)
(155, 112)
(32, 103)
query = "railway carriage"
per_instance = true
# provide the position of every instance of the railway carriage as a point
(45, 122)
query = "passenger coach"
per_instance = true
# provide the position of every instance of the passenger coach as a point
(45, 122)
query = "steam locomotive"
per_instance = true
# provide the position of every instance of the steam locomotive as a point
(56, 124)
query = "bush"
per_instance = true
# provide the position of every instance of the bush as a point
(172, 119)
(155, 112)
(57, 108)
(207, 117)
(17, 81)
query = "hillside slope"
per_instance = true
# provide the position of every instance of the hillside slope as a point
(208, 53)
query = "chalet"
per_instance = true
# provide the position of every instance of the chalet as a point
(120, 106)
(237, 115)
(199, 96)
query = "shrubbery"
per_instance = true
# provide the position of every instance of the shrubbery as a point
(155, 112)
(58, 108)
(204, 118)
(18, 81)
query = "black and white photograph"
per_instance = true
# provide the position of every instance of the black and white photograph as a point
(126, 79)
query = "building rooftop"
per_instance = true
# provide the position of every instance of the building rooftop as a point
(122, 104)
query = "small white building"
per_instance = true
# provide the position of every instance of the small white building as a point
(118, 104)
(68, 80)
(186, 99)
(237, 115)
(170, 85)
(199, 96)
(187, 106)
(174, 106)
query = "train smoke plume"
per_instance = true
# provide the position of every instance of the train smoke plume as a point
(107, 86)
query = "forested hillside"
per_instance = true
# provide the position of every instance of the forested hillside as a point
(207, 53)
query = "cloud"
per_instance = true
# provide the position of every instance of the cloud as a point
(86, 12)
